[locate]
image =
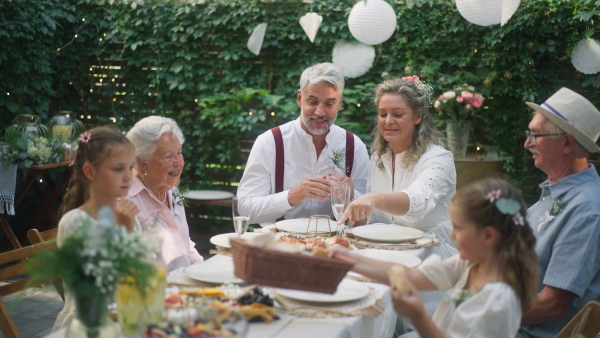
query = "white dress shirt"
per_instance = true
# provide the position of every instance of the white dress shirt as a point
(256, 191)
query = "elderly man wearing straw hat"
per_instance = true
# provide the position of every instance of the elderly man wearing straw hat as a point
(566, 219)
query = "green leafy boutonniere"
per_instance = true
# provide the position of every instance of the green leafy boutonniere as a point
(557, 207)
(462, 296)
(339, 159)
(178, 197)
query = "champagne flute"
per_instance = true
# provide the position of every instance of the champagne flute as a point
(340, 198)
(240, 222)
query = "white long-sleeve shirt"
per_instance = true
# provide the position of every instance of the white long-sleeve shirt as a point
(256, 191)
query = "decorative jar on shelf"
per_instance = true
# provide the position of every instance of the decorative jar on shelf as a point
(64, 127)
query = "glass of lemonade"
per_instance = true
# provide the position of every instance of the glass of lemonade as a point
(131, 304)
(240, 222)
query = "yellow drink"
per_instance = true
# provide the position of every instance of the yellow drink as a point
(62, 133)
(130, 303)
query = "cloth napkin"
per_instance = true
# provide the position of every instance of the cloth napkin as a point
(8, 185)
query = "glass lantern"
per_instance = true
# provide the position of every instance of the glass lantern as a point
(64, 128)
(27, 124)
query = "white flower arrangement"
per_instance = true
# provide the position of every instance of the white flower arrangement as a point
(94, 258)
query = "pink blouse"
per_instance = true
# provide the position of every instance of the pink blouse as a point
(170, 224)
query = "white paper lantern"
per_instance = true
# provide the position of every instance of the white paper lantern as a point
(487, 12)
(353, 59)
(586, 56)
(256, 38)
(372, 21)
(310, 22)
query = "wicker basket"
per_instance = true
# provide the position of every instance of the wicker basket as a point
(286, 270)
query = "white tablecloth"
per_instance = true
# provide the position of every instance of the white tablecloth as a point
(291, 326)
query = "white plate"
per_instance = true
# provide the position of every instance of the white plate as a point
(299, 225)
(213, 272)
(347, 290)
(223, 239)
(208, 195)
(390, 256)
(387, 232)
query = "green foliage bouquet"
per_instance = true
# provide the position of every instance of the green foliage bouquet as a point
(458, 104)
(94, 258)
(25, 149)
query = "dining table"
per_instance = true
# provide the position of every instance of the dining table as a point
(291, 326)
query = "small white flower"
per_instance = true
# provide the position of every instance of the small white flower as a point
(544, 219)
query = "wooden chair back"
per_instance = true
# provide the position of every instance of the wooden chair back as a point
(586, 322)
(37, 237)
(12, 263)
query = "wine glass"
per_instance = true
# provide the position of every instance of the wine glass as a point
(240, 222)
(340, 198)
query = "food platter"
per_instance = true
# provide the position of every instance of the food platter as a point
(388, 233)
(222, 240)
(348, 290)
(299, 226)
(213, 272)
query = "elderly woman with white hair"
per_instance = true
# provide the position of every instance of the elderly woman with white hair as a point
(159, 162)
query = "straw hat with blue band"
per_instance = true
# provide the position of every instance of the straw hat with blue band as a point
(575, 115)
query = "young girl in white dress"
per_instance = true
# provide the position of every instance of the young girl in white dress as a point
(101, 176)
(488, 284)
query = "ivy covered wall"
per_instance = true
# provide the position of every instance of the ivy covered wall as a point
(116, 61)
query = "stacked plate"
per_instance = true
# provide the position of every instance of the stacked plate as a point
(213, 272)
(387, 233)
(222, 240)
(348, 290)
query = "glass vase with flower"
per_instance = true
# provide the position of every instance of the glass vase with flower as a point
(458, 107)
(91, 260)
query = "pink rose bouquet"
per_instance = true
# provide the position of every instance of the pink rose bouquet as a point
(458, 104)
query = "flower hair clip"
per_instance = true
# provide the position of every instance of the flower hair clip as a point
(425, 88)
(506, 206)
(85, 137)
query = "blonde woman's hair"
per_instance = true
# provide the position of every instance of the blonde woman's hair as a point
(425, 135)
(98, 148)
(516, 245)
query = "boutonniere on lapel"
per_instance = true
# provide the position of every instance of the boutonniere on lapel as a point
(339, 159)
(549, 215)
(178, 198)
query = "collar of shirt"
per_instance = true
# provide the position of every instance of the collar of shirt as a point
(567, 183)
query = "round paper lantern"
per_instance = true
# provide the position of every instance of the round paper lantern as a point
(487, 12)
(372, 21)
(586, 56)
(353, 59)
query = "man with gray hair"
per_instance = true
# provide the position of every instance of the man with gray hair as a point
(566, 219)
(291, 167)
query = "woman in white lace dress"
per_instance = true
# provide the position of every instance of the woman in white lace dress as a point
(412, 177)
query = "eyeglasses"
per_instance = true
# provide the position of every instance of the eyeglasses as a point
(531, 136)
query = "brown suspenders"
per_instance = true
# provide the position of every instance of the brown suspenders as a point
(280, 158)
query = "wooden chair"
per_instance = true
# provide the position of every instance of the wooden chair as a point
(37, 237)
(586, 322)
(8, 273)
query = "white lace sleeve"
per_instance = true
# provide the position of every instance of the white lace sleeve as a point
(435, 180)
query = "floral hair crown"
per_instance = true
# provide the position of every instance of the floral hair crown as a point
(85, 137)
(506, 206)
(424, 87)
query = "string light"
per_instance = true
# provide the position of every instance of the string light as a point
(272, 113)
(250, 113)
(358, 105)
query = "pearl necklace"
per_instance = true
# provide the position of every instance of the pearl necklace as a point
(147, 186)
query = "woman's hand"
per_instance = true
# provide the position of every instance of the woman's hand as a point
(125, 214)
(360, 208)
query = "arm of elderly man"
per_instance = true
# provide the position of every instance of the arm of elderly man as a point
(305, 177)
(568, 247)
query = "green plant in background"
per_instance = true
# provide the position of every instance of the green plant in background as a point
(187, 59)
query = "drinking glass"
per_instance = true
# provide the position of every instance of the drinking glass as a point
(340, 198)
(240, 222)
